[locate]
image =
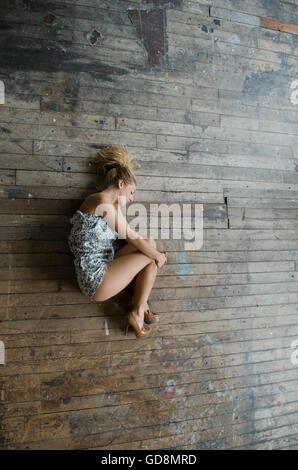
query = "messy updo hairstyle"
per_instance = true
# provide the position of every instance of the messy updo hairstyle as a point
(113, 163)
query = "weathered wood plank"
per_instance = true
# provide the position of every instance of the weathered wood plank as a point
(194, 158)
(254, 124)
(260, 213)
(38, 206)
(66, 12)
(94, 136)
(56, 119)
(150, 81)
(276, 25)
(286, 43)
(187, 170)
(16, 424)
(216, 403)
(269, 202)
(17, 146)
(29, 286)
(29, 162)
(280, 95)
(214, 123)
(7, 177)
(153, 182)
(21, 101)
(196, 25)
(97, 325)
(253, 355)
(111, 309)
(93, 87)
(248, 217)
(199, 43)
(273, 194)
(234, 108)
(21, 345)
(257, 7)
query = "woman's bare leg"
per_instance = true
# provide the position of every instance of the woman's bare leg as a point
(143, 285)
(120, 272)
(145, 277)
(126, 250)
(144, 282)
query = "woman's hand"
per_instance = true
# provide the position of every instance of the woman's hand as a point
(161, 259)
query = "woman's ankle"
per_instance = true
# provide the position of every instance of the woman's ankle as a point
(140, 309)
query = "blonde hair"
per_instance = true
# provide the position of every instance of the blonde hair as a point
(113, 163)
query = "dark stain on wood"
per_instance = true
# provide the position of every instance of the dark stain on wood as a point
(42, 60)
(170, 3)
(2, 433)
(218, 213)
(38, 7)
(93, 36)
(5, 26)
(66, 400)
(150, 29)
(49, 19)
(54, 383)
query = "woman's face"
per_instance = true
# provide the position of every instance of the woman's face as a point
(128, 191)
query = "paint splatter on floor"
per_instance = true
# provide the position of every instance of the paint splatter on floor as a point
(184, 267)
(170, 388)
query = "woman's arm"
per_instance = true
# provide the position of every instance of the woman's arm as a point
(142, 245)
(117, 221)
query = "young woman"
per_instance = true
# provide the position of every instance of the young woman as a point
(102, 272)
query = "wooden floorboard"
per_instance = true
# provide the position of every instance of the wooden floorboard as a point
(205, 96)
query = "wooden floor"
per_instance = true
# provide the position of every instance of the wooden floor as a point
(205, 93)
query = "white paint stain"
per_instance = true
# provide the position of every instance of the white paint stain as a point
(294, 359)
(2, 92)
(234, 39)
(294, 95)
(2, 353)
(107, 329)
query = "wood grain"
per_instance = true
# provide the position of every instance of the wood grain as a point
(203, 93)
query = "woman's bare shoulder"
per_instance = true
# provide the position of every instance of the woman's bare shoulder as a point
(89, 204)
(96, 204)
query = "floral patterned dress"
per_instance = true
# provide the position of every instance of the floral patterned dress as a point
(91, 242)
